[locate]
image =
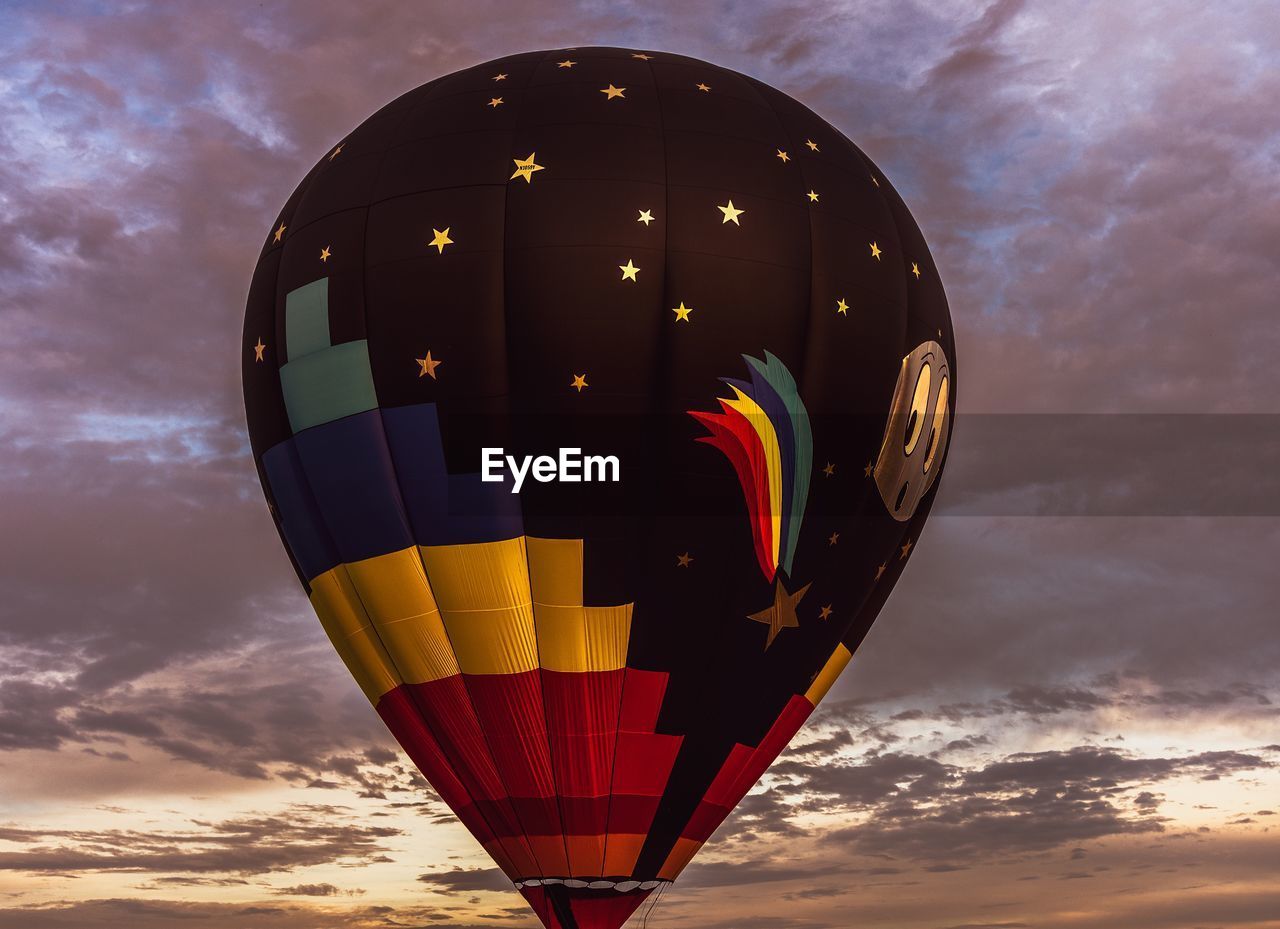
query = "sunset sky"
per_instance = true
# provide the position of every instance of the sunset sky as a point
(1065, 718)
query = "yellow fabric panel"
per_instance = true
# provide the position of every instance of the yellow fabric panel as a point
(680, 856)
(478, 576)
(343, 617)
(608, 632)
(555, 571)
(402, 608)
(420, 647)
(763, 426)
(393, 586)
(827, 676)
(493, 641)
(576, 638)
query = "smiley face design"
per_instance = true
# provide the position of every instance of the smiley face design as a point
(915, 438)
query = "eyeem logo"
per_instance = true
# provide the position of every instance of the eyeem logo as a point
(572, 467)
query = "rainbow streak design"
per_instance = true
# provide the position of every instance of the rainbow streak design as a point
(764, 432)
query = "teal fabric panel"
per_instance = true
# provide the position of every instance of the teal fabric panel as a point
(306, 319)
(328, 385)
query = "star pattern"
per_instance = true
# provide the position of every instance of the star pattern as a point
(829, 470)
(641, 55)
(782, 613)
(813, 146)
(683, 561)
(875, 251)
(337, 151)
(629, 271)
(682, 312)
(825, 613)
(495, 102)
(646, 217)
(783, 156)
(525, 168)
(813, 197)
(705, 88)
(866, 472)
(579, 382)
(842, 307)
(833, 538)
(611, 92)
(499, 77)
(428, 365)
(906, 549)
(259, 349)
(325, 254)
(884, 566)
(731, 213)
(915, 269)
(279, 233)
(567, 63)
(441, 239)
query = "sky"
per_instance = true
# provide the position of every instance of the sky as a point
(1066, 716)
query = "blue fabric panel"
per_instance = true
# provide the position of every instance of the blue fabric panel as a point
(445, 509)
(481, 512)
(350, 471)
(300, 521)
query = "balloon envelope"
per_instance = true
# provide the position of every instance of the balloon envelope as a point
(702, 334)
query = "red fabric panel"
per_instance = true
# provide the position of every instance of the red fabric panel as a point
(743, 768)
(401, 716)
(642, 695)
(538, 815)
(631, 815)
(509, 709)
(644, 763)
(445, 707)
(582, 711)
(585, 815)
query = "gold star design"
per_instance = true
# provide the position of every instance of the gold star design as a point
(641, 55)
(939, 333)
(565, 64)
(825, 613)
(874, 180)
(880, 570)
(705, 88)
(813, 197)
(499, 77)
(875, 251)
(429, 366)
(441, 239)
(325, 254)
(782, 613)
(682, 312)
(866, 472)
(833, 538)
(629, 271)
(813, 146)
(337, 151)
(259, 349)
(495, 102)
(579, 382)
(731, 214)
(842, 307)
(906, 549)
(279, 233)
(915, 269)
(525, 168)
(683, 561)
(829, 470)
(646, 217)
(610, 92)
(783, 156)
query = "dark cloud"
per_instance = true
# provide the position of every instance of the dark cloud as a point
(296, 836)
(464, 880)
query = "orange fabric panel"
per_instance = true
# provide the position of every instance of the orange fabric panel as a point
(586, 855)
(620, 853)
(680, 856)
(827, 676)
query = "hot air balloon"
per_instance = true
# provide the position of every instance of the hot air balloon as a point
(701, 332)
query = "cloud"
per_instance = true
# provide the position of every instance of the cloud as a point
(461, 880)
